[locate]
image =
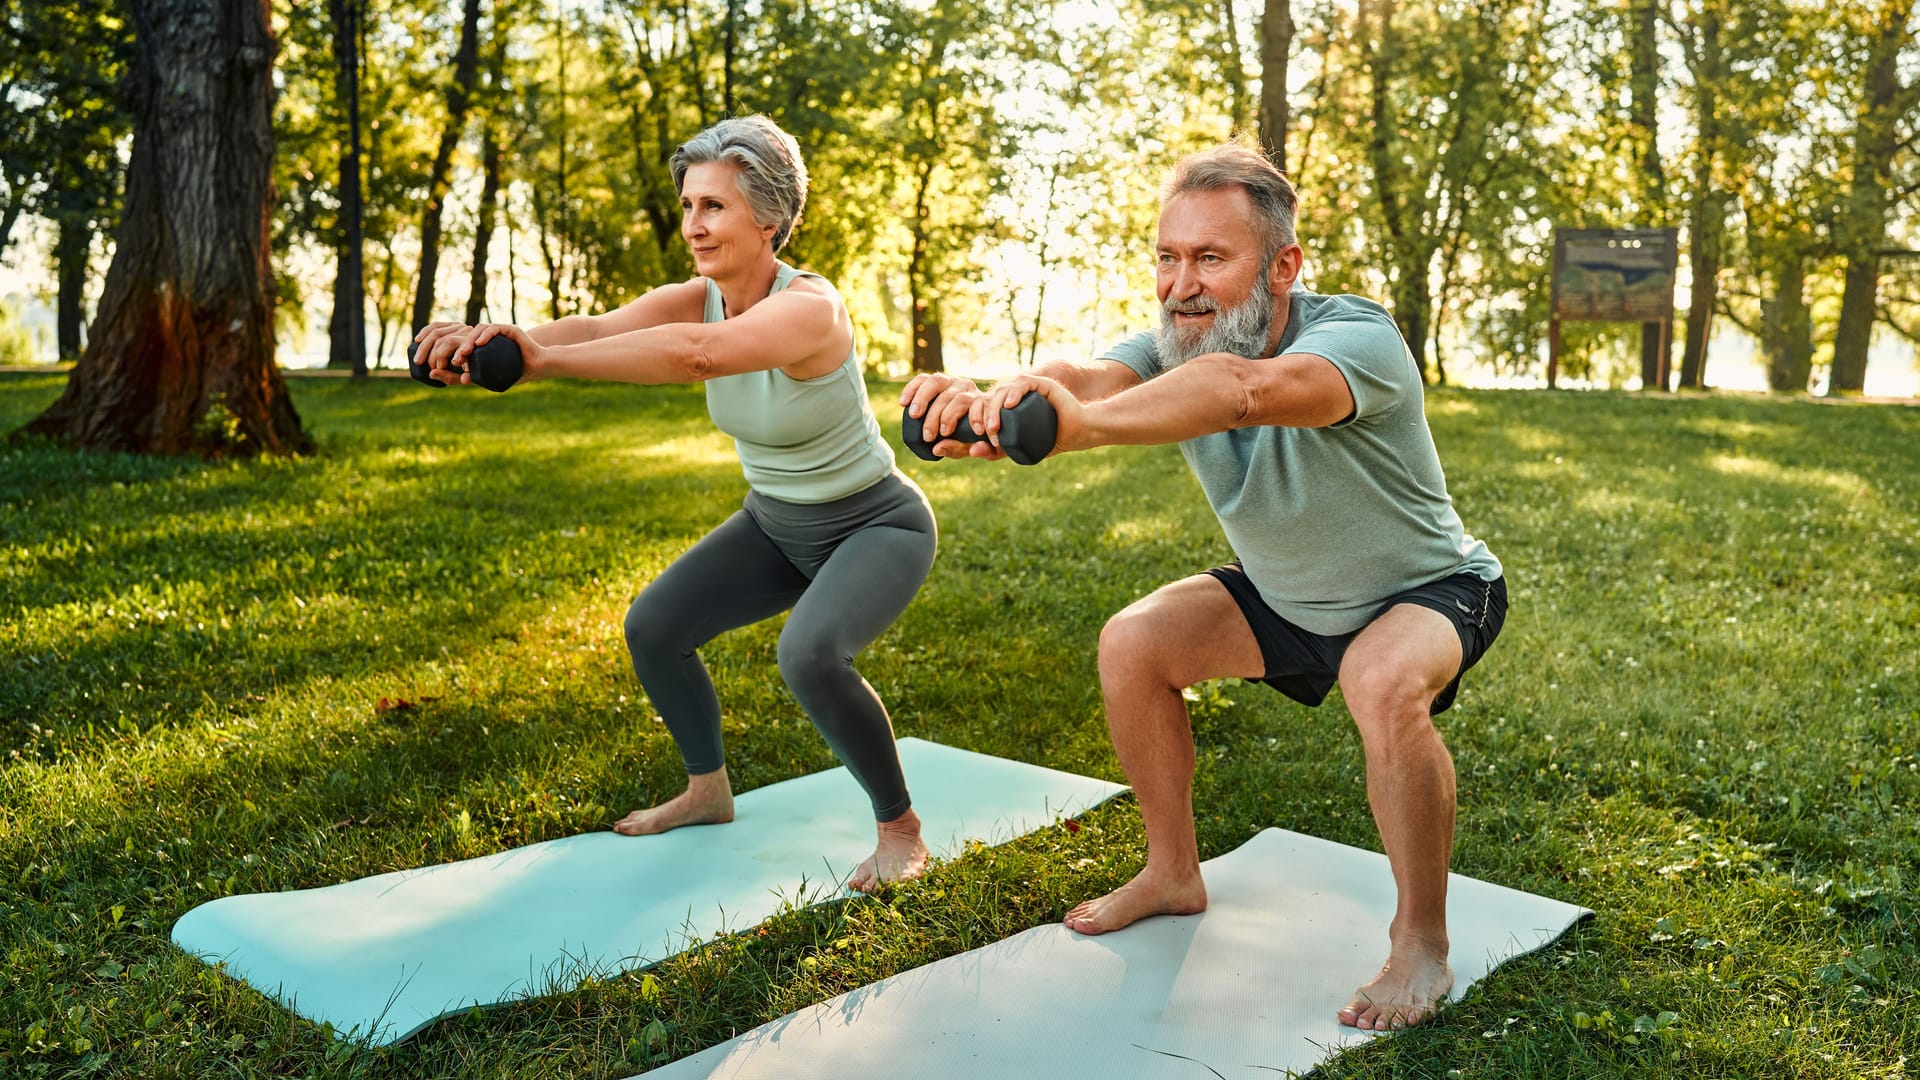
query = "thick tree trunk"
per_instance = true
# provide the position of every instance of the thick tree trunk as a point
(466, 64)
(489, 219)
(927, 351)
(1863, 225)
(181, 357)
(70, 254)
(1235, 72)
(1276, 45)
(1787, 329)
(347, 329)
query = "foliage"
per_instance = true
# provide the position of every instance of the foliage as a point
(1699, 721)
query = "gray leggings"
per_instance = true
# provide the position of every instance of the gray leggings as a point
(847, 569)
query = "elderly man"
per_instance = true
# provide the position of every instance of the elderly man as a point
(1301, 415)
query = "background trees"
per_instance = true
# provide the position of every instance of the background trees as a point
(983, 173)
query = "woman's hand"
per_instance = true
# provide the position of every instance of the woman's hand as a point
(436, 345)
(942, 402)
(533, 355)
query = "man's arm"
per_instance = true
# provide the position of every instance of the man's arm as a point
(1207, 394)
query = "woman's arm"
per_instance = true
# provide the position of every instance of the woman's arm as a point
(804, 330)
(683, 301)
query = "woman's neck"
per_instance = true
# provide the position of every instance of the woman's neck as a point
(738, 292)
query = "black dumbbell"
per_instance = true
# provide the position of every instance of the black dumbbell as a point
(1027, 432)
(496, 365)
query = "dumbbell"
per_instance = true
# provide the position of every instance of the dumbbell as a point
(1027, 432)
(496, 365)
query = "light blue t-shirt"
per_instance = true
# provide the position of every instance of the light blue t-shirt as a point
(803, 441)
(1329, 522)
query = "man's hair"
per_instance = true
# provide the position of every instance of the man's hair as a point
(1237, 165)
(773, 179)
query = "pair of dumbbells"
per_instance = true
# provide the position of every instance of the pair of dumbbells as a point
(495, 365)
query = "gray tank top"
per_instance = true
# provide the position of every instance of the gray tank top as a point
(804, 441)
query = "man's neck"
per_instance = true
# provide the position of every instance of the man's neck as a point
(1282, 308)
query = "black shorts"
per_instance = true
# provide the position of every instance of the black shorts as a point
(1304, 665)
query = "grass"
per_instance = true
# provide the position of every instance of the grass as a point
(1703, 720)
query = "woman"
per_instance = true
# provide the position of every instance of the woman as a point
(830, 529)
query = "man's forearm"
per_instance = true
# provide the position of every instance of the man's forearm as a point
(1088, 380)
(1203, 396)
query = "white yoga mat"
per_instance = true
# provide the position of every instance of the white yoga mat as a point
(382, 957)
(1248, 990)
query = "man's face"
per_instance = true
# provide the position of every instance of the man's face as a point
(1215, 290)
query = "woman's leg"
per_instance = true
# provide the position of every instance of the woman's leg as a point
(733, 577)
(858, 593)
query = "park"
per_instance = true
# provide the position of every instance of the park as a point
(277, 622)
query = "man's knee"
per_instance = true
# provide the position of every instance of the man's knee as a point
(1387, 700)
(1130, 644)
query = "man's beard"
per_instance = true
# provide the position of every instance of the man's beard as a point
(1240, 330)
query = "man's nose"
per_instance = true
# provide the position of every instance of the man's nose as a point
(1186, 282)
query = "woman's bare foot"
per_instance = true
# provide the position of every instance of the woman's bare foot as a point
(708, 800)
(1406, 992)
(1151, 892)
(900, 856)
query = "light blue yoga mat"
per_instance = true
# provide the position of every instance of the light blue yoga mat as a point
(382, 957)
(1247, 990)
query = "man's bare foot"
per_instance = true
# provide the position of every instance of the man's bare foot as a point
(1151, 892)
(1406, 992)
(900, 855)
(708, 800)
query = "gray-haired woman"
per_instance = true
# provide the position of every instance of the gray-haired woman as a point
(830, 529)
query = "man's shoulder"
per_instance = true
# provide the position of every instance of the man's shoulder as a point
(1314, 307)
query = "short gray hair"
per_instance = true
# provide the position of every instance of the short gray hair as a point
(1237, 165)
(772, 177)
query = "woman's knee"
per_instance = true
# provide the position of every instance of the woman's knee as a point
(655, 631)
(810, 663)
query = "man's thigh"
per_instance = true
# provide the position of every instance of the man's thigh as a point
(1193, 630)
(1408, 646)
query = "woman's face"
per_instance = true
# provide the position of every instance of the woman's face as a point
(717, 223)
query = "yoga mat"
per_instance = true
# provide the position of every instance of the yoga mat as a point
(382, 957)
(1249, 989)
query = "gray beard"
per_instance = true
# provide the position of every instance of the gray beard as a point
(1240, 330)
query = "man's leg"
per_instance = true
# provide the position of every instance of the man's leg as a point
(1181, 634)
(1389, 677)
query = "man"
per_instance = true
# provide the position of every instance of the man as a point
(1301, 415)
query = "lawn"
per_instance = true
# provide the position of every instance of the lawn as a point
(1702, 721)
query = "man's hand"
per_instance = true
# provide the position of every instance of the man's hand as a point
(942, 402)
(1071, 413)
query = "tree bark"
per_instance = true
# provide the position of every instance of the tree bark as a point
(466, 64)
(928, 354)
(1863, 225)
(181, 357)
(1787, 329)
(70, 254)
(1276, 45)
(347, 329)
(1235, 72)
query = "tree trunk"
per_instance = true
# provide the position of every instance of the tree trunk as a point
(1863, 226)
(1646, 116)
(489, 219)
(70, 254)
(466, 63)
(928, 354)
(1707, 217)
(1787, 329)
(1276, 44)
(727, 57)
(347, 329)
(181, 357)
(1235, 71)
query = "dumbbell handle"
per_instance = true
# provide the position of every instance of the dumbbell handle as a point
(1027, 432)
(496, 365)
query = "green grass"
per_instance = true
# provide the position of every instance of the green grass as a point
(1703, 720)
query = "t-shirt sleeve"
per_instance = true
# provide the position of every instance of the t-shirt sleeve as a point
(1137, 352)
(1370, 354)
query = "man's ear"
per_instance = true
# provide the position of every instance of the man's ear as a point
(1284, 270)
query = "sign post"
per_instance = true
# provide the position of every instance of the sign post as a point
(1613, 275)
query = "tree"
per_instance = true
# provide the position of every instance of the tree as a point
(466, 63)
(347, 330)
(1276, 43)
(181, 356)
(1885, 128)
